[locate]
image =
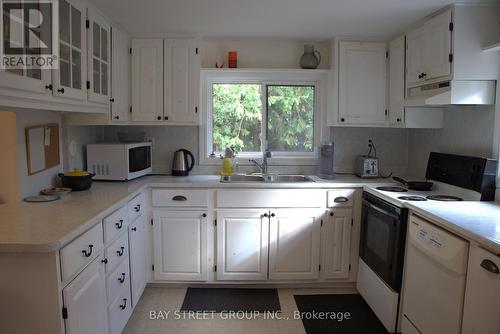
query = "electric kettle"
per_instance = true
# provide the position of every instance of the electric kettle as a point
(180, 164)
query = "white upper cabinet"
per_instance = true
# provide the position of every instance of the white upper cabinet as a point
(182, 73)
(180, 243)
(429, 50)
(120, 75)
(147, 80)
(415, 56)
(396, 80)
(362, 83)
(437, 46)
(242, 244)
(294, 242)
(69, 79)
(99, 56)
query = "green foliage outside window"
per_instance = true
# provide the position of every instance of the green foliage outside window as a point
(237, 117)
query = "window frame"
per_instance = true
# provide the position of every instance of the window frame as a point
(292, 77)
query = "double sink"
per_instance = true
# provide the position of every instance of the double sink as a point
(269, 178)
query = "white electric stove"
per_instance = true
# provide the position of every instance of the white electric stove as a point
(384, 225)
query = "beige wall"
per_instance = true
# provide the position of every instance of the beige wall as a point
(9, 171)
(32, 184)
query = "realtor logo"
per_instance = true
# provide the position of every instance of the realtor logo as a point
(29, 34)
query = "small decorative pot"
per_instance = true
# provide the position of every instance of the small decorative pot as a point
(311, 58)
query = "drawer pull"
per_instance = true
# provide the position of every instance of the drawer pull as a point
(137, 208)
(88, 253)
(119, 224)
(490, 266)
(121, 279)
(124, 305)
(121, 251)
(179, 198)
(341, 199)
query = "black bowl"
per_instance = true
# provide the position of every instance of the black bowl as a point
(76, 183)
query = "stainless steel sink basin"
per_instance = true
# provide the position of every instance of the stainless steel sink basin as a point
(272, 178)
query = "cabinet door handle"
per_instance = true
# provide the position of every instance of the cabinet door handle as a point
(266, 215)
(105, 261)
(116, 117)
(119, 224)
(122, 278)
(158, 118)
(121, 251)
(134, 229)
(88, 252)
(112, 100)
(273, 215)
(49, 87)
(137, 208)
(124, 305)
(179, 198)
(341, 199)
(61, 90)
(204, 215)
(331, 213)
(490, 266)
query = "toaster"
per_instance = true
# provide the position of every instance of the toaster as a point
(366, 166)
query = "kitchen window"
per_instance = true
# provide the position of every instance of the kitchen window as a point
(245, 109)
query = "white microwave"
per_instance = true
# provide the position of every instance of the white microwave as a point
(119, 161)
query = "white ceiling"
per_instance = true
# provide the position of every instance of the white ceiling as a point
(285, 19)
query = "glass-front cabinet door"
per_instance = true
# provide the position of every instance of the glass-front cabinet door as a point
(99, 58)
(69, 79)
(25, 79)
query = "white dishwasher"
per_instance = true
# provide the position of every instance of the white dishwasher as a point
(434, 280)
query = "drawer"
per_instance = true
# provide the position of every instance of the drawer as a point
(116, 252)
(115, 223)
(136, 207)
(275, 198)
(180, 198)
(119, 312)
(118, 280)
(80, 251)
(340, 198)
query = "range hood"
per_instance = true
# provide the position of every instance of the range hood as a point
(454, 92)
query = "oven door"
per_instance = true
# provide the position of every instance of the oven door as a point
(139, 159)
(383, 231)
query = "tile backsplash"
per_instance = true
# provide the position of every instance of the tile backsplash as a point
(391, 147)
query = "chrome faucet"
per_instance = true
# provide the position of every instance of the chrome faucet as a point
(262, 166)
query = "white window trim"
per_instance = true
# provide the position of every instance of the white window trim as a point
(318, 78)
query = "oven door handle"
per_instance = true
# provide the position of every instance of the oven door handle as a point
(380, 210)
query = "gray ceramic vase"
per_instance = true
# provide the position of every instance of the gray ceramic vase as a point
(311, 58)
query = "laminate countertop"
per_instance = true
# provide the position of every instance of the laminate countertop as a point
(46, 227)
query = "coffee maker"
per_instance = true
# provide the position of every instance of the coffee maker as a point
(325, 169)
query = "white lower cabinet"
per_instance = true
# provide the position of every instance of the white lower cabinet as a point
(242, 244)
(482, 293)
(119, 312)
(294, 244)
(181, 245)
(138, 263)
(85, 301)
(336, 244)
